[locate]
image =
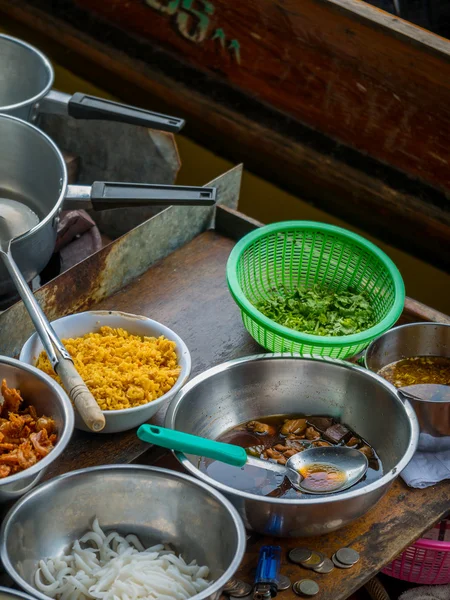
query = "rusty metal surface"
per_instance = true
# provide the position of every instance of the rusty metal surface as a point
(151, 157)
(117, 264)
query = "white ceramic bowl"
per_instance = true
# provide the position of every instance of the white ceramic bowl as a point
(79, 324)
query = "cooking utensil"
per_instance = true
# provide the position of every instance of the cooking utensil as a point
(20, 218)
(267, 572)
(50, 400)
(426, 392)
(430, 402)
(294, 254)
(33, 173)
(166, 506)
(27, 77)
(60, 359)
(77, 325)
(350, 462)
(248, 388)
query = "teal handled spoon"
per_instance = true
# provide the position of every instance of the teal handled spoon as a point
(348, 462)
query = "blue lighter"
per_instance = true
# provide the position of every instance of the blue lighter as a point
(267, 571)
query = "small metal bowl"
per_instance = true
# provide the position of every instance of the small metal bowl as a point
(156, 504)
(406, 341)
(50, 400)
(79, 324)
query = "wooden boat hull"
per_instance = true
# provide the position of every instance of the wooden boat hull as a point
(333, 99)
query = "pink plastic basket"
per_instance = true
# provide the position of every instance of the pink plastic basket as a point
(426, 562)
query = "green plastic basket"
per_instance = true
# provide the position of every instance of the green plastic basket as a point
(304, 253)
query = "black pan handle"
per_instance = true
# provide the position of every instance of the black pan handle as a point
(83, 106)
(104, 195)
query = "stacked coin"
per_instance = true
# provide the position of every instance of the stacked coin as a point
(311, 559)
(345, 558)
(237, 589)
(283, 583)
(306, 587)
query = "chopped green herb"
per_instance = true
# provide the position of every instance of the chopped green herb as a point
(319, 311)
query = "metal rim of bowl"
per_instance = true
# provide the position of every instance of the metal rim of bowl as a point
(68, 427)
(15, 593)
(338, 497)
(214, 587)
(63, 180)
(170, 335)
(45, 62)
(377, 340)
(306, 338)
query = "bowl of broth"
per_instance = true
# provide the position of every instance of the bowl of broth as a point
(274, 406)
(412, 355)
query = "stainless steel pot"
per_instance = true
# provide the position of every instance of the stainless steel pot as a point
(50, 400)
(256, 386)
(26, 79)
(157, 505)
(33, 171)
(406, 341)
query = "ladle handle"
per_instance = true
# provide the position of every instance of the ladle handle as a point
(80, 395)
(59, 357)
(37, 316)
(192, 444)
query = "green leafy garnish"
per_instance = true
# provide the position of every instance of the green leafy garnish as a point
(320, 311)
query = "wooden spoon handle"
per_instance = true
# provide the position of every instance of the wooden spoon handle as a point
(80, 395)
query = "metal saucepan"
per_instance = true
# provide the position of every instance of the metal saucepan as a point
(33, 172)
(406, 341)
(26, 79)
(256, 386)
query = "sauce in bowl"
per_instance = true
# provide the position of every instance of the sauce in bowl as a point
(279, 437)
(322, 477)
(417, 370)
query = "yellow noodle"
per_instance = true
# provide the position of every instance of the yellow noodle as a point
(121, 370)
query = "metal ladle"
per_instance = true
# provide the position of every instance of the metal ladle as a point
(352, 463)
(426, 392)
(15, 220)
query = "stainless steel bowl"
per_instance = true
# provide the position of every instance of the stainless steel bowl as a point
(49, 399)
(416, 339)
(156, 504)
(257, 386)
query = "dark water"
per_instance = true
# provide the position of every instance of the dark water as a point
(253, 480)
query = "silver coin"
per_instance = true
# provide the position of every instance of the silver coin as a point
(338, 564)
(315, 561)
(237, 588)
(243, 590)
(299, 555)
(231, 584)
(306, 587)
(347, 556)
(327, 567)
(283, 583)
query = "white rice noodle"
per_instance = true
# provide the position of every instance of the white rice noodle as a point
(113, 567)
